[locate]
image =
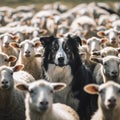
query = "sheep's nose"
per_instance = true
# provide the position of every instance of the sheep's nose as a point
(27, 52)
(112, 100)
(4, 82)
(114, 73)
(44, 103)
(6, 44)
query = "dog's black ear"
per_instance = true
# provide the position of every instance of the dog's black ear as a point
(45, 41)
(76, 38)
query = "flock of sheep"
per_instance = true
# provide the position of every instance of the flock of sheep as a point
(21, 54)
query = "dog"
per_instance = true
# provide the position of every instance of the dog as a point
(62, 63)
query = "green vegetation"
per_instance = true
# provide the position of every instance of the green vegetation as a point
(39, 3)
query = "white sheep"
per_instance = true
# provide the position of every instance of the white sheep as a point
(11, 100)
(27, 56)
(6, 60)
(112, 35)
(94, 43)
(108, 100)
(107, 51)
(39, 102)
(6, 39)
(106, 69)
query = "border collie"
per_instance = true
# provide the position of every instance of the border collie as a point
(62, 63)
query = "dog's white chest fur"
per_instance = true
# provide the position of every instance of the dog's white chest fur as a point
(59, 74)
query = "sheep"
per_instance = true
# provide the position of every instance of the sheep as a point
(85, 56)
(6, 60)
(107, 51)
(39, 102)
(6, 39)
(22, 77)
(108, 100)
(107, 69)
(11, 100)
(112, 36)
(87, 23)
(28, 57)
(94, 44)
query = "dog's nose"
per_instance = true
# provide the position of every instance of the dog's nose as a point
(61, 59)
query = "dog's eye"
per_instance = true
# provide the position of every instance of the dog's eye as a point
(53, 48)
(67, 49)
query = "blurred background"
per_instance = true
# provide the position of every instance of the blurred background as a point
(40, 3)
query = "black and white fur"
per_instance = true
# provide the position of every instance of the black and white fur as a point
(62, 63)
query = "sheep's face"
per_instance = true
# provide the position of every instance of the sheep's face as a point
(109, 96)
(113, 37)
(27, 48)
(111, 51)
(6, 79)
(111, 67)
(40, 97)
(40, 94)
(94, 44)
(4, 59)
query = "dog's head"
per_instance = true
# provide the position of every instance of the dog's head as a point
(60, 50)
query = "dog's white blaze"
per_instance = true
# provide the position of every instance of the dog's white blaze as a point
(61, 52)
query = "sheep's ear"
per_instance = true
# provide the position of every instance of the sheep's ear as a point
(14, 44)
(37, 44)
(12, 59)
(97, 60)
(104, 40)
(58, 86)
(84, 42)
(43, 31)
(22, 87)
(101, 33)
(18, 67)
(91, 88)
(15, 37)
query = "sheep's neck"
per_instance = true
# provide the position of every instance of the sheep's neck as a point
(34, 115)
(5, 96)
(110, 114)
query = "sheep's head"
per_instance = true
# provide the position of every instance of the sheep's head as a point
(6, 76)
(27, 47)
(109, 94)
(40, 94)
(110, 66)
(5, 59)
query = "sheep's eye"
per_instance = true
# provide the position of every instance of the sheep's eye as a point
(6, 60)
(33, 45)
(51, 91)
(88, 44)
(119, 91)
(31, 91)
(20, 46)
(101, 91)
(11, 73)
(103, 56)
(105, 64)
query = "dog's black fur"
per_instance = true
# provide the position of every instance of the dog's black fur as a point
(81, 74)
